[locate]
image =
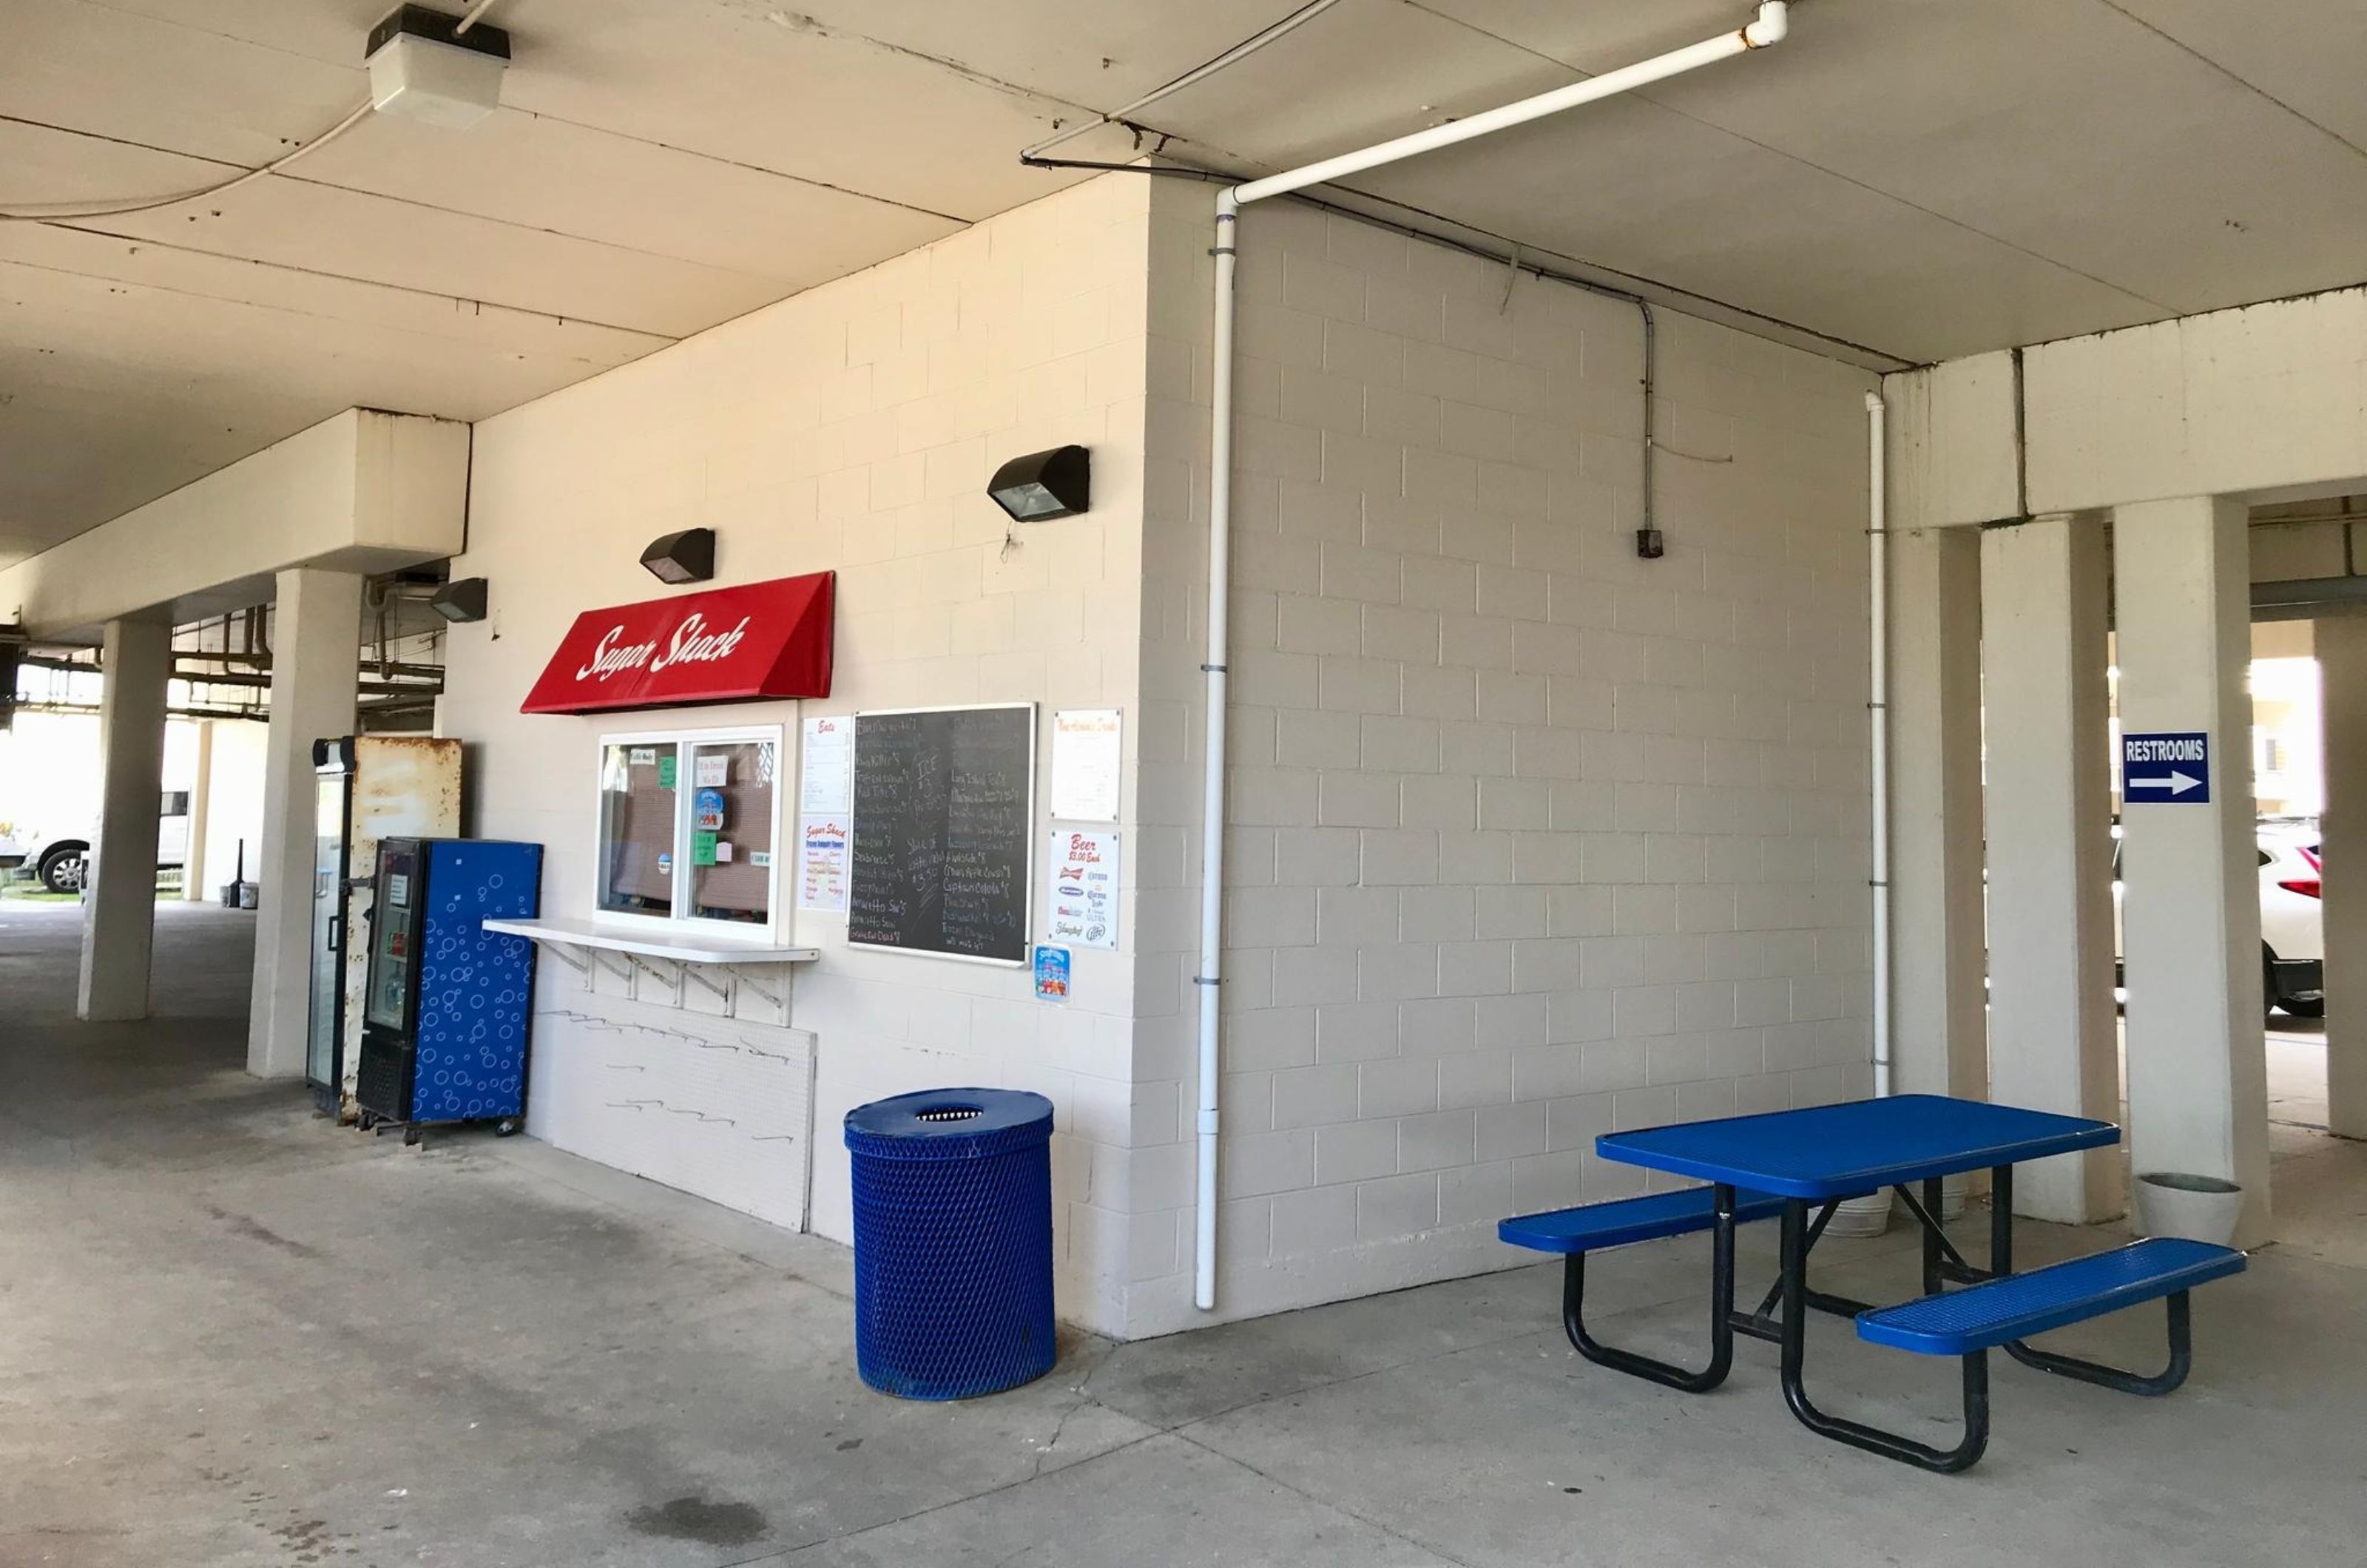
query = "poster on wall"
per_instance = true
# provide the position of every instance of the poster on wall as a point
(1085, 763)
(1083, 894)
(829, 764)
(822, 840)
(1052, 974)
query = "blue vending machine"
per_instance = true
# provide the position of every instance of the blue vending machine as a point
(445, 1015)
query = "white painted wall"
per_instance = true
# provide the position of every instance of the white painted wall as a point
(1531, 839)
(2261, 400)
(48, 780)
(235, 809)
(49, 774)
(850, 428)
(361, 491)
(2176, 421)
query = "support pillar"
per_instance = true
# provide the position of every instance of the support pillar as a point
(201, 799)
(2049, 824)
(1939, 1040)
(2342, 697)
(119, 913)
(2190, 909)
(315, 661)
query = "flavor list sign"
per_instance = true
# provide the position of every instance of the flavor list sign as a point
(822, 843)
(1082, 866)
(741, 644)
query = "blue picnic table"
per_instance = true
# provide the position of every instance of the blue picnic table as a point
(1780, 1164)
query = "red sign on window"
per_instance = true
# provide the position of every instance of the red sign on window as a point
(747, 643)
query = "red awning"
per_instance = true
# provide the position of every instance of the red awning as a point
(727, 645)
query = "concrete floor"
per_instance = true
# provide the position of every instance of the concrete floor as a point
(235, 1335)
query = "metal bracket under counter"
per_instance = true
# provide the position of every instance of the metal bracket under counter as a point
(675, 962)
(699, 949)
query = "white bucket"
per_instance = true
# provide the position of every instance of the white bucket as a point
(1869, 1215)
(2200, 1208)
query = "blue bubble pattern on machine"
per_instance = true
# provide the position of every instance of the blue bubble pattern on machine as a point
(477, 986)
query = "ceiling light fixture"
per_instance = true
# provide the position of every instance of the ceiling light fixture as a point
(687, 556)
(1043, 485)
(442, 69)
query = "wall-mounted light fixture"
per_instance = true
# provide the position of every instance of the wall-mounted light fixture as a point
(687, 556)
(461, 602)
(1057, 483)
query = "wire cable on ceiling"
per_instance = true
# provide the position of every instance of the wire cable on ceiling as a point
(476, 14)
(51, 212)
(1200, 72)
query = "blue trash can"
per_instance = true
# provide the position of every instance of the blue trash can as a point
(953, 1241)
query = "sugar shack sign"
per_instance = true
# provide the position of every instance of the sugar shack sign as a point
(747, 643)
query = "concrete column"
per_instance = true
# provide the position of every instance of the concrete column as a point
(1939, 1020)
(315, 658)
(2342, 697)
(119, 913)
(201, 792)
(2190, 872)
(2048, 822)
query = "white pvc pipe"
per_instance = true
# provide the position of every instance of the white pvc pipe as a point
(1212, 799)
(1878, 548)
(1773, 24)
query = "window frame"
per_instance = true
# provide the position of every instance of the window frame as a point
(684, 742)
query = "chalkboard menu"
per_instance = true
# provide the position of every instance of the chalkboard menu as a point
(944, 813)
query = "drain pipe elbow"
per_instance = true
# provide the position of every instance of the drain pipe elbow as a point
(1774, 25)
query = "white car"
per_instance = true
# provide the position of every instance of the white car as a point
(61, 859)
(2293, 918)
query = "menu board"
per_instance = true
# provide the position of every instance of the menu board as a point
(943, 811)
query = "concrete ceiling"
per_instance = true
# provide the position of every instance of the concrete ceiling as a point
(1918, 179)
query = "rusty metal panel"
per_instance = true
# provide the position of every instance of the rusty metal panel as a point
(405, 787)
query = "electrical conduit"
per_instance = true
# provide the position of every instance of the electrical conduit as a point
(1770, 28)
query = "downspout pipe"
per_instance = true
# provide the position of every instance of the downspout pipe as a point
(1878, 703)
(1209, 981)
(1770, 26)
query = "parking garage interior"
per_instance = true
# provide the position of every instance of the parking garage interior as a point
(1639, 571)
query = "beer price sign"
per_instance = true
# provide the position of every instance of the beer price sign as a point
(1083, 892)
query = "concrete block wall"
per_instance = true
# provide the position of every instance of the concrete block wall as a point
(853, 428)
(1530, 838)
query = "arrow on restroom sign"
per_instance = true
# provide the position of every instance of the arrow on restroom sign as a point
(2173, 767)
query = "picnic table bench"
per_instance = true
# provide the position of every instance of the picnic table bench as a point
(1776, 1164)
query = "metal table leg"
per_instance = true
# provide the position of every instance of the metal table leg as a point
(1943, 1264)
(1721, 1315)
(1761, 1323)
(1873, 1439)
(1933, 1206)
(2181, 1321)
